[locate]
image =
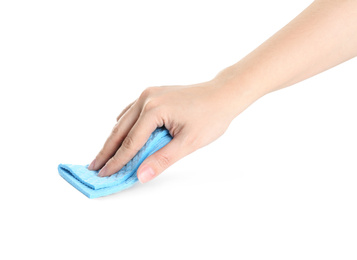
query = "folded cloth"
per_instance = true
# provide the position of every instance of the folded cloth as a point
(90, 184)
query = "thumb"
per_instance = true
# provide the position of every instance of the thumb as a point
(161, 160)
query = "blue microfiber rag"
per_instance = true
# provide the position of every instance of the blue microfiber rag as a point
(90, 184)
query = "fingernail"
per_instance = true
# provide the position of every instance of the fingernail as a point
(102, 172)
(146, 174)
(92, 165)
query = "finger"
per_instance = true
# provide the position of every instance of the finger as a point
(125, 110)
(132, 143)
(161, 160)
(113, 142)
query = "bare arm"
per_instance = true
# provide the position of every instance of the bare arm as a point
(322, 36)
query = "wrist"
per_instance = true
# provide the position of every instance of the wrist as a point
(236, 89)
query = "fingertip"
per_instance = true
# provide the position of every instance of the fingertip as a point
(145, 173)
(91, 167)
(103, 172)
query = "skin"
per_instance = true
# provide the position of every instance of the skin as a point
(322, 36)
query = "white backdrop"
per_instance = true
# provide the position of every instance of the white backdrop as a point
(280, 184)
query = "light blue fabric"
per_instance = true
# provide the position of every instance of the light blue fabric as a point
(90, 184)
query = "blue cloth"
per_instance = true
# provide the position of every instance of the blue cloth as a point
(90, 184)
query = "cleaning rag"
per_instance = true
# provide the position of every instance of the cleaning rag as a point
(90, 184)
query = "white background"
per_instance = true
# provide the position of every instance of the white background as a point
(280, 184)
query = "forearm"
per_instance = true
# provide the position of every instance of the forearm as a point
(322, 36)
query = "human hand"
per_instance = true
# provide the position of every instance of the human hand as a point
(195, 115)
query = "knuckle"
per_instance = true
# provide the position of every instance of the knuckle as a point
(163, 161)
(101, 154)
(115, 129)
(148, 92)
(128, 143)
(150, 105)
(192, 142)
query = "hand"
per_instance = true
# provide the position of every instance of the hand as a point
(195, 115)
